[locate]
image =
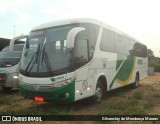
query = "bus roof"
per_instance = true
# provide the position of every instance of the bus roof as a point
(65, 22)
(82, 20)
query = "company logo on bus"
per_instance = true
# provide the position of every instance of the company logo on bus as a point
(84, 85)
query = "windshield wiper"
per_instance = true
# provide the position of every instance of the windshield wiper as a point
(45, 58)
(35, 61)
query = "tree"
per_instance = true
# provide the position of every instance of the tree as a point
(151, 58)
(150, 54)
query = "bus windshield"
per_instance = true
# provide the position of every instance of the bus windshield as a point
(45, 53)
(9, 58)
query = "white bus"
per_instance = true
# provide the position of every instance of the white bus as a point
(9, 63)
(69, 60)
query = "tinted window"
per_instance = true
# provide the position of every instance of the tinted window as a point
(51, 43)
(5, 49)
(18, 47)
(59, 56)
(108, 41)
(9, 58)
(81, 51)
(15, 48)
(91, 31)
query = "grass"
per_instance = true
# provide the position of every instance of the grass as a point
(5, 101)
(38, 110)
(137, 95)
(126, 106)
(148, 105)
(122, 107)
(123, 102)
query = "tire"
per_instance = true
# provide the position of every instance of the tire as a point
(7, 88)
(136, 83)
(98, 92)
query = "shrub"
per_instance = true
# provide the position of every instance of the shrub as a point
(157, 67)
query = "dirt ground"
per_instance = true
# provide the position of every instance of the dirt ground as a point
(152, 83)
(148, 85)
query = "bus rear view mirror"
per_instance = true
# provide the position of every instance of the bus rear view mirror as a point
(71, 36)
(13, 40)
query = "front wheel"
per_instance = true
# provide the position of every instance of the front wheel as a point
(98, 92)
(7, 88)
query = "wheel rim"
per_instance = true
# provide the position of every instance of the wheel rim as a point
(98, 93)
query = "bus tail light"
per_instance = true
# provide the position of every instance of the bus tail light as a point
(1, 78)
(39, 99)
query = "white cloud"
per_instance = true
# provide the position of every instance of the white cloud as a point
(17, 8)
(4, 6)
(22, 16)
(138, 18)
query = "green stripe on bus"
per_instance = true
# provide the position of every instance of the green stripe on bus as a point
(125, 72)
(120, 59)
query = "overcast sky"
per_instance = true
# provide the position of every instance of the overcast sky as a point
(138, 18)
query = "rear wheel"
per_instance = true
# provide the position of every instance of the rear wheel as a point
(98, 92)
(7, 88)
(136, 83)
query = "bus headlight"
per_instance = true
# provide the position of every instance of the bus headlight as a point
(13, 75)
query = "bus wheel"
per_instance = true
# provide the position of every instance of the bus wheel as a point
(7, 88)
(136, 83)
(98, 92)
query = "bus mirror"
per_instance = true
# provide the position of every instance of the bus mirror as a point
(71, 36)
(13, 40)
(25, 52)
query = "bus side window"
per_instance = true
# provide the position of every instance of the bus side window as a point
(108, 41)
(57, 46)
(124, 43)
(81, 51)
(118, 43)
(129, 45)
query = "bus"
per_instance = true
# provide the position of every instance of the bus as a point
(9, 63)
(68, 60)
(4, 42)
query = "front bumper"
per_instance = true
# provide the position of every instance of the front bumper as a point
(51, 95)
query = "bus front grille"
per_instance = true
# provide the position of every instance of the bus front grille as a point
(38, 86)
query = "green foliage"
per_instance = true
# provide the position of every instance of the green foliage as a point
(7, 100)
(148, 105)
(157, 67)
(129, 106)
(153, 61)
(137, 95)
(39, 110)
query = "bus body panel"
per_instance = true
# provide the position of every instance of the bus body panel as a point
(32, 87)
